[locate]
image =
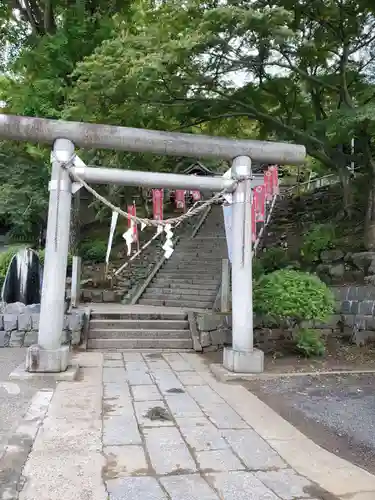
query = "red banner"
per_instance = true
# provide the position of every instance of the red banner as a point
(259, 196)
(132, 210)
(157, 203)
(196, 195)
(268, 183)
(180, 199)
(253, 221)
(275, 179)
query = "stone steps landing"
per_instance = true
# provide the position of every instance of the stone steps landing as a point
(139, 330)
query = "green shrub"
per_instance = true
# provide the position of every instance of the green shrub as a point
(273, 258)
(293, 296)
(258, 270)
(93, 251)
(309, 342)
(320, 237)
(5, 258)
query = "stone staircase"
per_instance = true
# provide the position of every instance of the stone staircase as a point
(139, 329)
(190, 279)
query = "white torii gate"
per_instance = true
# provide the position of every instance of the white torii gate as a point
(49, 355)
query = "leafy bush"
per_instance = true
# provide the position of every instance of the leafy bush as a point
(93, 251)
(293, 296)
(274, 258)
(320, 237)
(5, 259)
(309, 342)
(258, 270)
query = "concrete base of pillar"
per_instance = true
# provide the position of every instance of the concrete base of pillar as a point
(69, 375)
(47, 360)
(243, 362)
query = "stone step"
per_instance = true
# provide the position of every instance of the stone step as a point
(186, 282)
(167, 285)
(139, 344)
(118, 315)
(200, 271)
(138, 324)
(188, 276)
(155, 290)
(110, 333)
(196, 304)
(191, 264)
(188, 295)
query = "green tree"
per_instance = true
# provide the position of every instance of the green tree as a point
(300, 70)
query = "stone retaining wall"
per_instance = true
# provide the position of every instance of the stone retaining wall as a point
(354, 318)
(19, 326)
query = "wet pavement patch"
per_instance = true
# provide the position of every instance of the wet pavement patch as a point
(158, 413)
(176, 391)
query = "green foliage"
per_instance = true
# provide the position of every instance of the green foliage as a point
(258, 269)
(274, 258)
(5, 259)
(293, 296)
(320, 237)
(309, 342)
(93, 251)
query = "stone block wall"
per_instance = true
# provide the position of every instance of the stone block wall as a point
(19, 326)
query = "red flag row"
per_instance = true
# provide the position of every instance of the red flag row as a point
(261, 195)
(179, 198)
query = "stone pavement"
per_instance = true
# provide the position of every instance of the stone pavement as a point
(160, 426)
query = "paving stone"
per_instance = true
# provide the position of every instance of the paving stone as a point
(138, 377)
(142, 408)
(146, 393)
(188, 487)
(253, 450)
(112, 355)
(113, 390)
(182, 405)
(218, 460)
(177, 363)
(136, 365)
(240, 486)
(286, 483)
(191, 378)
(204, 395)
(201, 434)
(114, 375)
(132, 356)
(157, 364)
(113, 363)
(124, 461)
(166, 380)
(168, 452)
(120, 430)
(223, 416)
(135, 488)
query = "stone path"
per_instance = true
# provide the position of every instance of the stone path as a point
(160, 426)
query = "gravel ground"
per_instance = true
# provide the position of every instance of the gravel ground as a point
(337, 412)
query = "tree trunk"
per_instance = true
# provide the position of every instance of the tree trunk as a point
(347, 191)
(370, 213)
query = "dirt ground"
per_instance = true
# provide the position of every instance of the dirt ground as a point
(339, 356)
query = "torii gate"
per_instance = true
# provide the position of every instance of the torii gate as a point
(49, 355)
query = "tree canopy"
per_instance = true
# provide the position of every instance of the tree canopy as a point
(300, 71)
